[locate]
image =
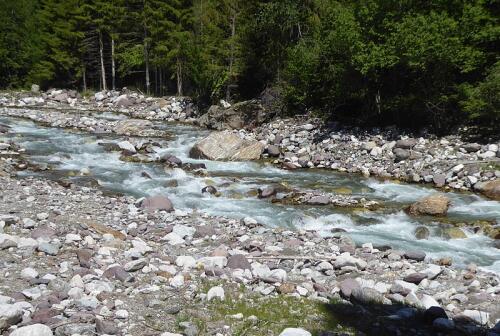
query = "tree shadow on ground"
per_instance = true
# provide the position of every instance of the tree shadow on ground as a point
(396, 319)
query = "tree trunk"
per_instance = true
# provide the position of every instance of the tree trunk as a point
(231, 58)
(179, 78)
(113, 69)
(84, 79)
(146, 59)
(103, 69)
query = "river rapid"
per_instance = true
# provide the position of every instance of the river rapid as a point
(67, 152)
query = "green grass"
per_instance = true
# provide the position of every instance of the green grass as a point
(272, 313)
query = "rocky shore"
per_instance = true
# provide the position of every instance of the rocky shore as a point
(75, 261)
(80, 262)
(447, 162)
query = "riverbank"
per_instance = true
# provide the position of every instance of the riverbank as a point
(82, 262)
(447, 163)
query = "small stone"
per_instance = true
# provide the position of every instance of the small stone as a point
(295, 332)
(215, 293)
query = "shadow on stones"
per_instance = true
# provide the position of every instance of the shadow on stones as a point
(396, 319)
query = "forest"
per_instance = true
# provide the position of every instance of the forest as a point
(372, 62)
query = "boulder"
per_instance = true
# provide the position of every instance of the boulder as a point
(123, 101)
(273, 151)
(9, 315)
(61, 98)
(422, 232)
(490, 189)
(453, 233)
(132, 126)
(406, 144)
(35, 88)
(226, 146)
(472, 147)
(295, 332)
(158, 202)
(434, 205)
(248, 114)
(401, 154)
(33, 330)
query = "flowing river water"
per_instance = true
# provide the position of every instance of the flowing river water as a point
(67, 151)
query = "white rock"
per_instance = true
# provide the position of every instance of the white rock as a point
(432, 271)
(42, 216)
(215, 293)
(29, 273)
(173, 239)
(220, 262)
(71, 237)
(295, 332)
(33, 330)
(185, 262)
(477, 316)
(183, 231)
(125, 145)
(177, 281)
(170, 334)
(9, 315)
(428, 301)
(121, 314)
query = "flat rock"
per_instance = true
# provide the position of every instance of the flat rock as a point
(226, 146)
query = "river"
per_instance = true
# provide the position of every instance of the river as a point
(69, 151)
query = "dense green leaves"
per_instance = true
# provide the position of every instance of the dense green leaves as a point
(406, 62)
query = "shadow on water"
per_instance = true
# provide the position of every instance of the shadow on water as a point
(396, 320)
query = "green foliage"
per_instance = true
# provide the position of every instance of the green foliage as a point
(406, 62)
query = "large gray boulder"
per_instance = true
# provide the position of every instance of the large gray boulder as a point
(226, 146)
(9, 316)
(247, 114)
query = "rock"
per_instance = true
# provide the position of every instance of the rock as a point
(434, 205)
(428, 301)
(132, 126)
(415, 278)
(267, 192)
(453, 233)
(48, 248)
(346, 260)
(443, 324)
(295, 332)
(273, 151)
(432, 271)
(286, 288)
(100, 96)
(209, 189)
(247, 114)
(365, 295)
(33, 330)
(422, 232)
(319, 200)
(82, 329)
(472, 147)
(35, 88)
(401, 154)
(170, 160)
(415, 255)
(434, 312)
(135, 265)
(61, 98)
(215, 293)
(106, 327)
(226, 146)
(123, 101)
(238, 261)
(9, 316)
(347, 286)
(127, 146)
(439, 180)
(406, 144)
(477, 316)
(490, 189)
(158, 202)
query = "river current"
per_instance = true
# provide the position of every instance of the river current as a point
(67, 151)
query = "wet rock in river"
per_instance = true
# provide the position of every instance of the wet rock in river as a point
(267, 192)
(132, 126)
(434, 205)
(209, 189)
(226, 146)
(422, 232)
(490, 189)
(453, 233)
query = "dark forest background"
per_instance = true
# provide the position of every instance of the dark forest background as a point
(410, 63)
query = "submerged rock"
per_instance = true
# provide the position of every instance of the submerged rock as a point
(226, 146)
(490, 189)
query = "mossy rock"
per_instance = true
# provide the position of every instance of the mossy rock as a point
(453, 233)
(343, 191)
(422, 232)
